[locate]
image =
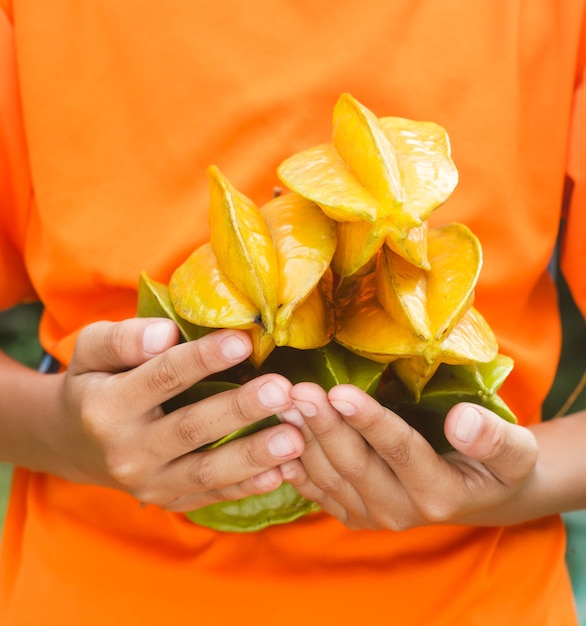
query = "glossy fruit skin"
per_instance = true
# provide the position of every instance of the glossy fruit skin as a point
(265, 270)
(380, 178)
(341, 280)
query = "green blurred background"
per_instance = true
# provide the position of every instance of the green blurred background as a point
(18, 337)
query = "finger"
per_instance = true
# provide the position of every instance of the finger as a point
(330, 441)
(444, 487)
(263, 483)
(336, 458)
(118, 346)
(411, 458)
(295, 474)
(188, 428)
(178, 368)
(508, 450)
(210, 475)
(319, 422)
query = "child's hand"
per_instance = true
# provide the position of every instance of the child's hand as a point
(111, 429)
(367, 467)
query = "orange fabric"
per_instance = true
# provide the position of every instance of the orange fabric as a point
(574, 237)
(124, 105)
(15, 185)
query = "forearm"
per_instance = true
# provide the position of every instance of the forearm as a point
(28, 411)
(559, 483)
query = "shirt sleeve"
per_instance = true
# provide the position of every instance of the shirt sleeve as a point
(573, 245)
(15, 187)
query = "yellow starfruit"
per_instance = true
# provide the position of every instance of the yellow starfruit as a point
(346, 253)
(471, 341)
(414, 318)
(380, 178)
(431, 302)
(242, 245)
(265, 270)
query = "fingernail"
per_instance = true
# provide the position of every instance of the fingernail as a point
(155, 337)
(280, 445)
(267, 480)
(233, 348)
(290, 469)
(307, 408)
(343, 407)
(271, 395)
(292, 416)
(468, 425)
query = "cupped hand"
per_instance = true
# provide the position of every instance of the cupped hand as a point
(367, 467)
(111, 429)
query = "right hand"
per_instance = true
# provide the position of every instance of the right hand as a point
(110, 429)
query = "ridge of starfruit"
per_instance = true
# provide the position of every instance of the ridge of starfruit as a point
(341, 280)
(414, 318)
(265, 270)
(379, 178)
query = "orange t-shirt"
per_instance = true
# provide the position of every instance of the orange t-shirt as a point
(111, 111)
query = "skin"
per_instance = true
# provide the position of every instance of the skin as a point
(368, 468)
(101, 422)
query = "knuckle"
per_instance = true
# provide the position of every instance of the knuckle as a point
(437, 510)
(123, 470)
(401, 517)
(498, 445)
(202, 475)
(398, 518)
(204, 355)
(200, 356)
(293, 472)
(166, 376)
(399, 524)
(94, 415)
(398, 454)
(355, 473)
(238, 404)
(250, 456)
(395, 520)
(115, 340)
(188, 432)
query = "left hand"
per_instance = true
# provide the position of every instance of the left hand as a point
(368, 468)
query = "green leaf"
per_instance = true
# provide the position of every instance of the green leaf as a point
(154, 301)
(254, 513)
(450, 385)
(486, 377)
(327, 366)
(249, 514)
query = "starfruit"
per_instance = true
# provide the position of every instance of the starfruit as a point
(406, 330)
(477, 383)
(254, 512)
(265, 270)
(416, 318)
(154, 301)
(379, 178)
(328, 366)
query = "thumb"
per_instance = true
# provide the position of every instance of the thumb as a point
(508, 451)
(117, 346)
